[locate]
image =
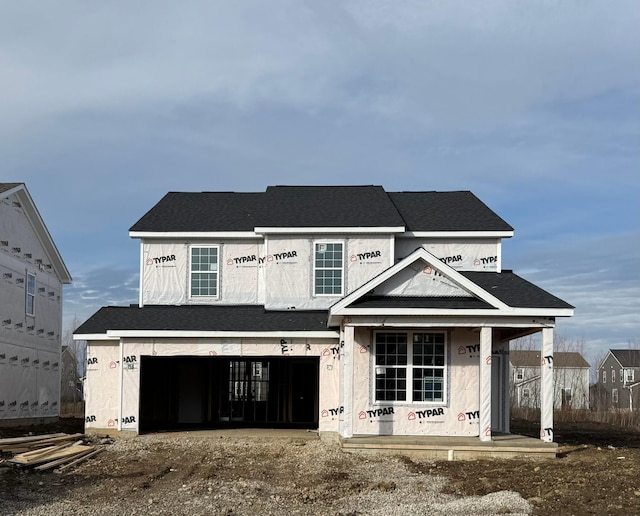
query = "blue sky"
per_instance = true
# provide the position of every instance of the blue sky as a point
(533, 106)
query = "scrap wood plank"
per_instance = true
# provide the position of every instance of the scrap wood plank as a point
(41, 442)
(62, 460)
(19, 461)
(61, 469)
(27, 438)
(35, 455)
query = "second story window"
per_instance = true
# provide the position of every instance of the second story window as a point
(327, 269)
(31, 295)
(604, 377)
(613, 376)
(204, 272)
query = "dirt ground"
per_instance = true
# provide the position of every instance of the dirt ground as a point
(597, 471)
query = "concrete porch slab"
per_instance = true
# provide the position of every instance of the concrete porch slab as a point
(453, 448)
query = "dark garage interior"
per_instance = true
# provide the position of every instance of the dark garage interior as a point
(189, 392)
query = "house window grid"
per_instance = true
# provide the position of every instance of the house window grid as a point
(629, 375)
(204, 271)
(613, 376)
(519, 374)
(30, 299)
(410, 367)
(328, 268)
(614, 395)
(604, 377)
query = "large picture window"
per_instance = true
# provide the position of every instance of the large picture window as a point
(204, 272)
(328, 267)
(410, 367)
(30, 301)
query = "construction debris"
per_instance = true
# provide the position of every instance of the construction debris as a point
(48, 451)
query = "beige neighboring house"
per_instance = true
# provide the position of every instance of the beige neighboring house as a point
(32, 274)
(570, 384)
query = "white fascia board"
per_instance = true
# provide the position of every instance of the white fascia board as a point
(115, 334)
(328, 230)
(450, 322)
(193, 234)
(456, 234)
(515, 312)
(93, 336)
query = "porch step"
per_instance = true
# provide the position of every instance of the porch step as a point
(453, 448)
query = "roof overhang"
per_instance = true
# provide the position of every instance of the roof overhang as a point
(158, 334)
(456, 234)
(192, 234)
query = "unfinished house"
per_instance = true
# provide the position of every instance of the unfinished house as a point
(32, 274)
(346, 309)
(570, 381)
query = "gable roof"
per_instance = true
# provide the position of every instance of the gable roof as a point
(361, 207)
(627, 357)
(531, 358)
(212, 320)
(31, 212)
(480, 293)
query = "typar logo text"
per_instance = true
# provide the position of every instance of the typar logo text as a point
(161, 260)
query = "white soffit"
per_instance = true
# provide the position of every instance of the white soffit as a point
(193, 234)
(457, 234)
(227, 334)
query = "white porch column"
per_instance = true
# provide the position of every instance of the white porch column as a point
(346, 355)
(546, 388)
(485, 384)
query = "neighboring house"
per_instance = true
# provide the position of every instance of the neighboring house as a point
(619, 379)
(32, 274)
(71, 382)
(570, 379)
(346, 309)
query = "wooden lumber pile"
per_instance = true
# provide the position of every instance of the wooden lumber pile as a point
(45, 452)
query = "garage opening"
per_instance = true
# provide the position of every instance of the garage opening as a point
(216, 392)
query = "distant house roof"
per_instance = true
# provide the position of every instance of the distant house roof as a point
(206, 318)
(320, 207)
(627, 357)
(526, 358)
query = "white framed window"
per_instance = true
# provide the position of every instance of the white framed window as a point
(629, 375)
(622, 375)
(614, 395)
(525, 393)
(410, 367)
(613, 376)
(604, 377)
(519, 374)
(204, 271)
(30, 300)
(328, 268)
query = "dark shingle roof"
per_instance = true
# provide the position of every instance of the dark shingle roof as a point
(627, 357)
(202, 318)
(319, 206)
(515, 291)
(454, 303)
(531, 358)
(446, 211)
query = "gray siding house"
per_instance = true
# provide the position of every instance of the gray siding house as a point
(618, 384)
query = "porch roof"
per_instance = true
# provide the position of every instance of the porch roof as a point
(201, 318)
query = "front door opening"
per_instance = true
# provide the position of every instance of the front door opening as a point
(214, 392)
